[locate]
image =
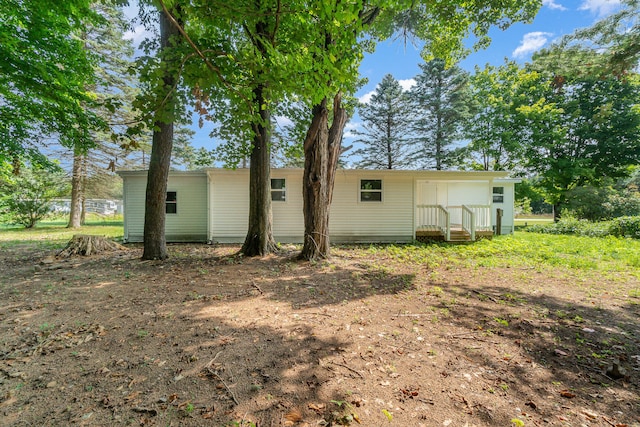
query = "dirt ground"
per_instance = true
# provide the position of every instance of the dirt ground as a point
(212, 338)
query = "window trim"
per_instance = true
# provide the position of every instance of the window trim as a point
(361, 190)
(168, 203)
(282, 190)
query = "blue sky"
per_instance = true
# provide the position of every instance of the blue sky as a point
(555, 19)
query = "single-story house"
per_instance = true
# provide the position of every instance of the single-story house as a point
(212, 205)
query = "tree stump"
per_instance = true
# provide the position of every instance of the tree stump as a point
(85, 244)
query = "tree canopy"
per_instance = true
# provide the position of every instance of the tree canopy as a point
(44, 71)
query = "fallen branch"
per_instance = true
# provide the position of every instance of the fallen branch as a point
(214, 374)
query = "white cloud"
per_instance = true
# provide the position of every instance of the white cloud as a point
(136, 35)
(600, 7)
(551, 4)
(283, 121)
(407, 84)
(364, 99)
(530, 43)
(349, 128)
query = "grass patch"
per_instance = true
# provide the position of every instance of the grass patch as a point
(527, 250)
(52, 233)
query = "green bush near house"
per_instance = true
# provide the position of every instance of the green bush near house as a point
(625, 226)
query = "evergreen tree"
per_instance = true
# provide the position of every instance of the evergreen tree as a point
(387, 122)
(441, 100)
(113, 89)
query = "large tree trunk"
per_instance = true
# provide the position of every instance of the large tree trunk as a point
(259, 240)
(321, 151)
(155, 245)
(77, 190)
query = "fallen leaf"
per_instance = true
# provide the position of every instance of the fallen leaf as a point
(387, 414)
(294, 416)
(567, 394)
(559, 352)
(319, 408)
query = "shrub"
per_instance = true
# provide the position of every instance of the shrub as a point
(628, 226)
(625, 226)
(26, 198)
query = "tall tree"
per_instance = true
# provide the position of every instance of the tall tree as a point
(616, 36)
(387, 120)
(44, 71)
(113, 91)
(255, 60)
(441, 99)
(585, 132)
(495, 129)
(165, 106)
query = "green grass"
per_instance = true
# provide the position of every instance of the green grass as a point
(53, 232)
(528, 250)
(525, 221)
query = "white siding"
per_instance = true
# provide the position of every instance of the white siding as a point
(134, 195)
(230, 206)
(506, 206)
(389, 220)
(214, 205)
(190, 221)
(288, 219)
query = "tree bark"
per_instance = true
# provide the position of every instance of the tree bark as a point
(259, 240)
(155, 245)
(321, 150)
(77, 191)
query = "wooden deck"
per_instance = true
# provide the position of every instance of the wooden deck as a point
(427, 234)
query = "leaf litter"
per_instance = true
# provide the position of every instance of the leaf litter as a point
(363, 338)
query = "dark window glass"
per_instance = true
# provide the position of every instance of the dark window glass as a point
(498, 194)
(371, 190)
(278, 190)
(171, 205)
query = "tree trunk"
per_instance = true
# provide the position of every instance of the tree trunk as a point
(155, 245)
(557, 211)
(77, 191)
(321, 151)
(259, 240)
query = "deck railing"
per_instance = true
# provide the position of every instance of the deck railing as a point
(468, 222)
(434, 216)
(482, 214)
(472, 218)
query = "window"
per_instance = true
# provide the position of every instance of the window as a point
(278, 190)
(370, 190)
(498, 194)
(171, 205)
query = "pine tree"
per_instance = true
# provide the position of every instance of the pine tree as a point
(441, 101)
(387, 124)
(113, 90)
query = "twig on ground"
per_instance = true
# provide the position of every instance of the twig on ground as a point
(214, 374)
(349, 368)
(257, 287)
(484, 295)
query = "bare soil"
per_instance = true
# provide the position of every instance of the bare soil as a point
(212, 338)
